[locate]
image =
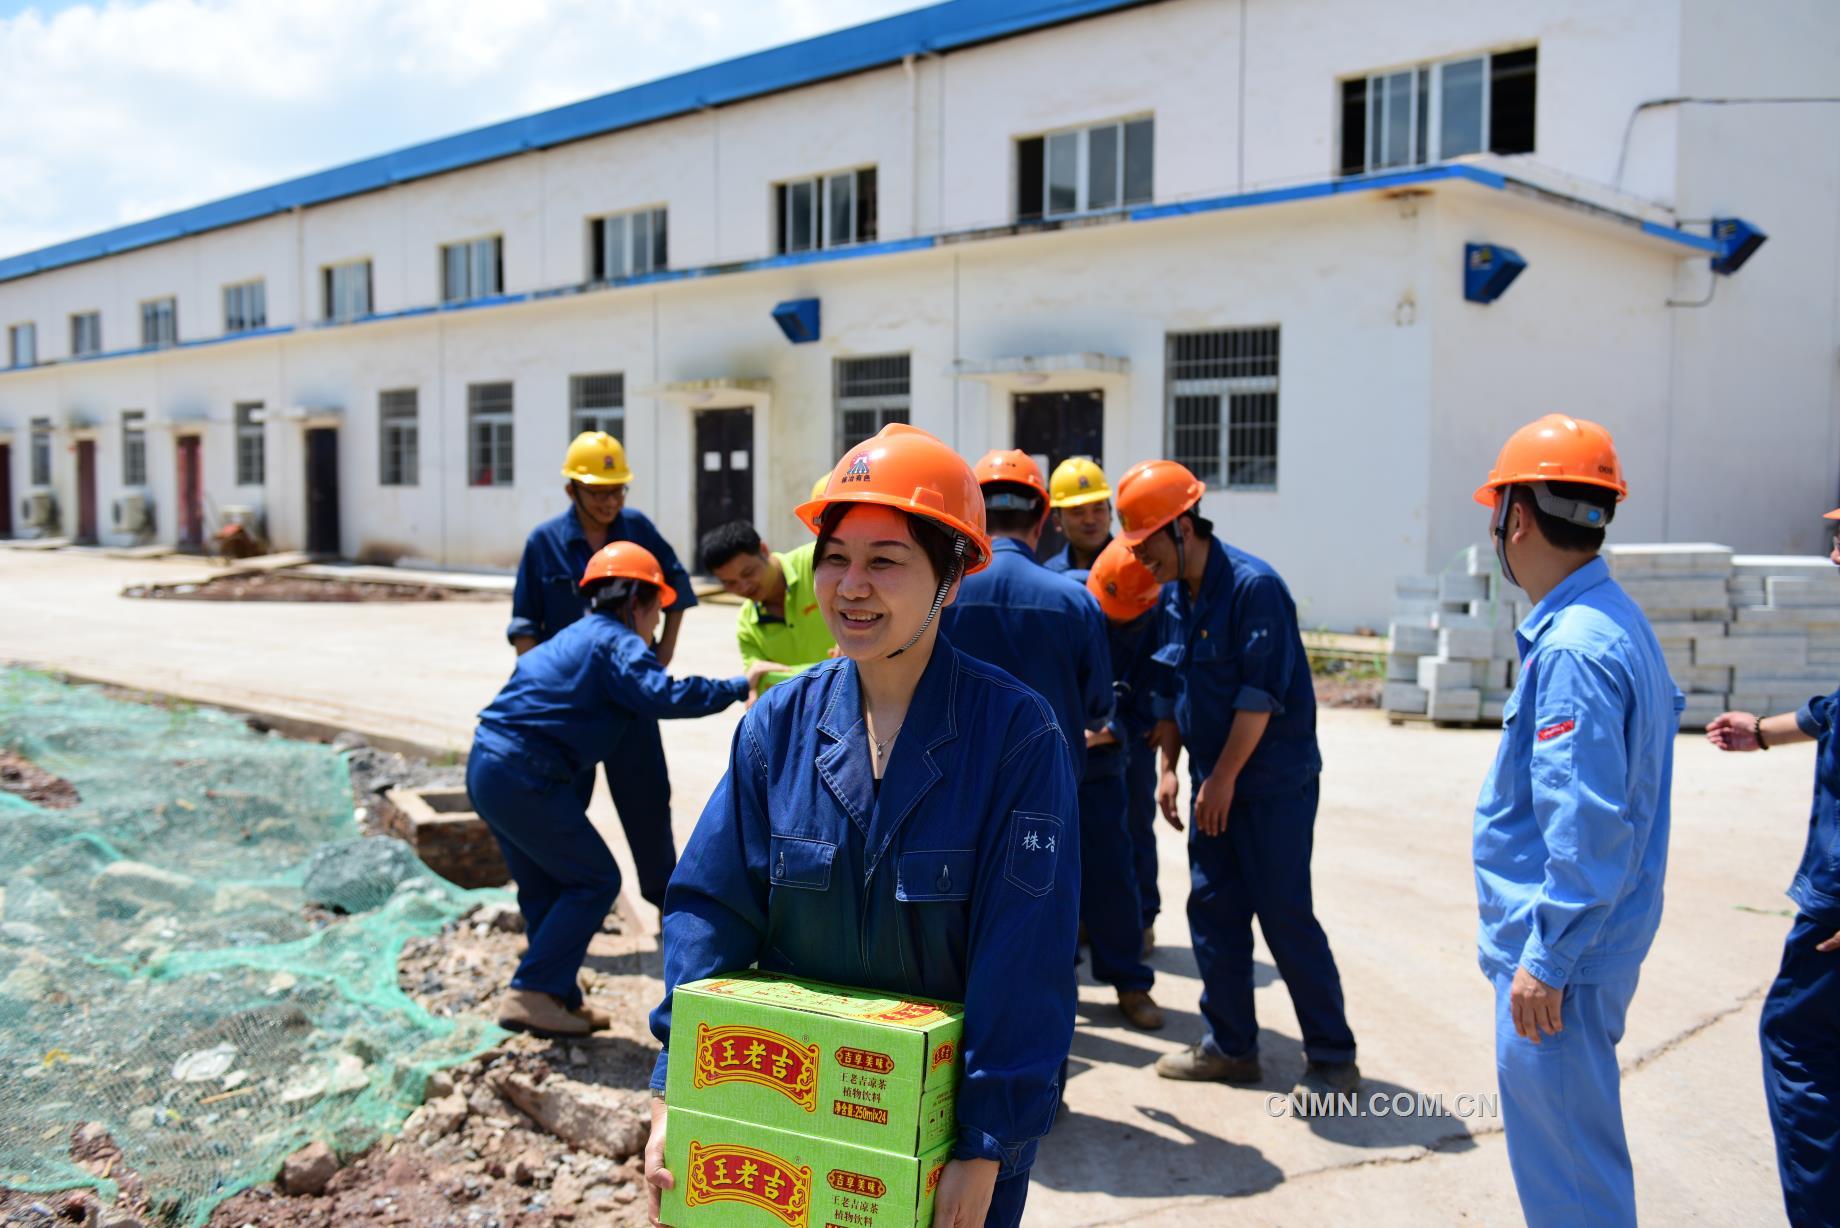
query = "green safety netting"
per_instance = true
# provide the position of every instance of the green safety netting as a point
(160, 971)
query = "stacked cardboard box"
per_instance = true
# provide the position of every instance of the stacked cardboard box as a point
(791, 1102)
(1759, 633)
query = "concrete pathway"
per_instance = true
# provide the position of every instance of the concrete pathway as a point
(1393, 888)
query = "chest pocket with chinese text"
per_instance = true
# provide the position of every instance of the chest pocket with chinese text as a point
(1034, 851)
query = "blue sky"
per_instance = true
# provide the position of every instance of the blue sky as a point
(127, 109)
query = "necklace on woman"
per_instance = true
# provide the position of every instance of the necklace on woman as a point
(881, 745)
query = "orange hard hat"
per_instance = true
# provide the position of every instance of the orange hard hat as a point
(905, 468)
(1557, 448)
(1126, 589)
(1833, 515)
(628, 561)
(1010, 465)
(1151, 494)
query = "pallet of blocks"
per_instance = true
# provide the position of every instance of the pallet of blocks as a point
(1685, 590)
(1451, 655)
(1783, 640)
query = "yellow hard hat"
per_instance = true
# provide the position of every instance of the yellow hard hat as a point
(817, 487)
(596, 459)
(1077, 480)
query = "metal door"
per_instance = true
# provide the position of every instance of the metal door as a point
(191, 492)
(323, 490)
(1051, 426)
(724, 467)
(86, 491)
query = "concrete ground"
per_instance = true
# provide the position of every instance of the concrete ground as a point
(1393, 889)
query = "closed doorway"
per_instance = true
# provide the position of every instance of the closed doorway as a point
(1052, 426)
(86, 492)
(323, 490)
(6, 490)
(191, 491)
(724, 468)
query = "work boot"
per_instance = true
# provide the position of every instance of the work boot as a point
(1139, 1010)
(540, 1014)
(598, 1019)
(1149, 942)
(1322, 1079)
(1199, 1063)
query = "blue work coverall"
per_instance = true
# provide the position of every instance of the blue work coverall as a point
(1571, 848)
(547, 599)
(1236, 647)
(1047, 631)
(1141, 694)
(568, 699)
(1801, 1015)
(956, 877)
(1061, 561)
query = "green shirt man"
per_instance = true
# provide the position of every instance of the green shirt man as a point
(780, 626)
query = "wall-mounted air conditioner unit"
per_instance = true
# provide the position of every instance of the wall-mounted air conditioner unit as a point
(39, 511)
(134, 512)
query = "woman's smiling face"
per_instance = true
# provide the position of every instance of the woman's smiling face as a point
(875, 583)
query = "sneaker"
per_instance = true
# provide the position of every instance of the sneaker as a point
(1139, 1010)
(1327, 1079)
(540, 1014)
(1201, 1064)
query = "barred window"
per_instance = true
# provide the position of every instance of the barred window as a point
(250, 460)
(41, 451)
(597, 403)
(133, 447)
(398, 434)
(489, 433)
(871, 393)
(1223, 406)
(245, 307)
(160, 322)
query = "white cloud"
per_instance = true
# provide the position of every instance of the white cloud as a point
(124, 109)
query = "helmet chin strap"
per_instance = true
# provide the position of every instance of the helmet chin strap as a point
(939, 598)
(1175, 535)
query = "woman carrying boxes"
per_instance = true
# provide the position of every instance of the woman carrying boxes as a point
(903, 818)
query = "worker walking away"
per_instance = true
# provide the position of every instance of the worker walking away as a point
(1128, 596)
(1572, 826)
(1082, 503)
(546, 600)
(1245, 710)
(1801, 1014)
(1046, 630)
(780, 630)
(899, 819)
(568, 700)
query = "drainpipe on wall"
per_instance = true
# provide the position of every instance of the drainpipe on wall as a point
(913, 141)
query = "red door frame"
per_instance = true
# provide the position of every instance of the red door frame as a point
(86, 491)
(191, 490)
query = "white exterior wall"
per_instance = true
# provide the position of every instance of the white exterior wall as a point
(1395, 393)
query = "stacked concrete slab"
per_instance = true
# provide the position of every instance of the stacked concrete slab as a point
(1759, 633)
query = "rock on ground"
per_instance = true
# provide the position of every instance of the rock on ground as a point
(308, 1170)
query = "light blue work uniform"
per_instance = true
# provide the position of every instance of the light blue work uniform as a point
(1571, 845)
(955, 877)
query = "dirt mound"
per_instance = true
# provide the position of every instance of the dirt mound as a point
(280, 586)
(20, 776)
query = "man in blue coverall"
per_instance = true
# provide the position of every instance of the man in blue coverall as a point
(1801, 1016)
(1571, 830)
(1047, 631)
(547, 599)
(1245, 709)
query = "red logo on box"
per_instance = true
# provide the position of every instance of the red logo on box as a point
(857, 1183)
(944, 1055)
(865, 1059)
(722, 1173)
(740, 1054)
(909, 1013)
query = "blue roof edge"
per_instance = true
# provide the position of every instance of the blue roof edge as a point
(941, 27)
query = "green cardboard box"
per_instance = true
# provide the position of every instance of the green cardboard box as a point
(735, 1174)
(851, 1065)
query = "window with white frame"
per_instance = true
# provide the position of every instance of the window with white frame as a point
(41, 452)
(22, 345)
(473, 269)
(597, 403)
(489, 434)
(245, 306)
(398, 437)
(133, 447)
(160, 322)
(1431, 112)
(85, 333)
(825, 211)
(346, 289)
(1223, 406)
(251, 458)
(871, 393)
(626, 244)
(1082, 170)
